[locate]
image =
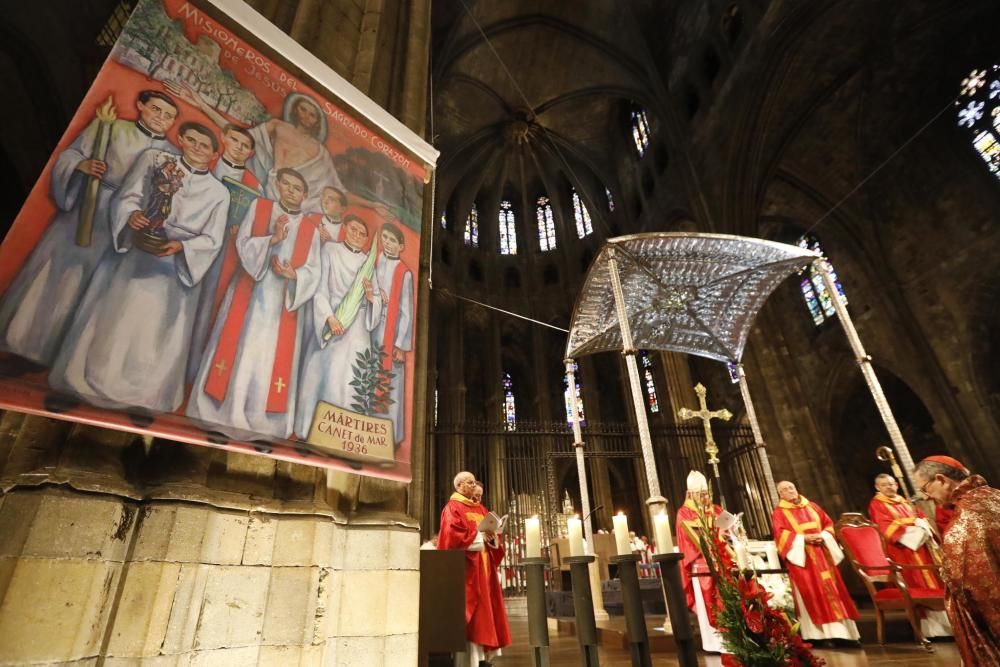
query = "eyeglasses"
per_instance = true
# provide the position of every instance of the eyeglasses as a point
(923, 489)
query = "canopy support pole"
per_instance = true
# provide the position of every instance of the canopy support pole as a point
(758, 437)
(600, 613)
(865, 363)
(656, 503)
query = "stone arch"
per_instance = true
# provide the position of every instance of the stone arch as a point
(857, 430)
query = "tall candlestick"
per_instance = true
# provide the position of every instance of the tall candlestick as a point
(532, 538)
(661, 530)
(575, 526)
(621, 534)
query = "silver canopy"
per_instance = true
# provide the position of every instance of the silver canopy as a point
(693, 293)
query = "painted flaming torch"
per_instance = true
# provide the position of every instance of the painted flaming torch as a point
(105, 116)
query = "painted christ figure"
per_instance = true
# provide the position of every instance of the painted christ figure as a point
(39, 305)
(129, 341)
(393, 334)
(246, 386)
(294, 142)
(237, 147)
(332, 346)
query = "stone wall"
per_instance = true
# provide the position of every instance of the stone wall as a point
(85, 576)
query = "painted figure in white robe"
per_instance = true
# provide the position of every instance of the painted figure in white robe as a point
(332, 202)
(394, 332)
(247, 384)
(39, 305)
(237, 147)
(332, 346)
(295, 142)
(129, 342)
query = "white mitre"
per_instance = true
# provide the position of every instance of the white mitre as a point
(696, 482)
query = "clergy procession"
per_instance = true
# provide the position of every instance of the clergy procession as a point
(212, 279)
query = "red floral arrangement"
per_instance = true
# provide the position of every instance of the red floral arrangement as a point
(754, 633)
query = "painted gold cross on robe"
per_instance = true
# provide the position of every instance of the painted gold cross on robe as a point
(706, 416)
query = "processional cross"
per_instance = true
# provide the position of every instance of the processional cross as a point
(706, 416)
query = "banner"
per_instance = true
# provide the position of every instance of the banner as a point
(223, 250)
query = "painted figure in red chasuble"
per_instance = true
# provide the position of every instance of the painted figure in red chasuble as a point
(248, 379)
(908, 540)
(806, 543)
(971, 555)
(486, 627)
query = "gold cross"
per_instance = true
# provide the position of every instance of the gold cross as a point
(221, 366)
(279, 384)
(706, 416)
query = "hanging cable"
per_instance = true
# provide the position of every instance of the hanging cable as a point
(588, 200)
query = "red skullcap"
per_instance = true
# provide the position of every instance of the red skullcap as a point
(948, 461)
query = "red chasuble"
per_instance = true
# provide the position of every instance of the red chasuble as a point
(688, 530)
(230, 259)
(819, 582)
(893, 516)
(217, 384)
(971, 571)
(485, 617)
(392, 311)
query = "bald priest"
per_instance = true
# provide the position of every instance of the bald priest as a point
(486, 627)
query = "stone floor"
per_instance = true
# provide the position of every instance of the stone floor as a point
(563, 652)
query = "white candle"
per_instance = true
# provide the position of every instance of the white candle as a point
(772, 557)
(661, 531)
(532, 538)
(621, 534)
(575, 526)
(742, 556)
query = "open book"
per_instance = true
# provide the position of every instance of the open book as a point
(492, 523)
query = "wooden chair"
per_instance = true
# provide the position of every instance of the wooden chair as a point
(864, 545)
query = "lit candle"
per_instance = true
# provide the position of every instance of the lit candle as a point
(621, 534)
(575, 526)
(661, 530)
(532, 538)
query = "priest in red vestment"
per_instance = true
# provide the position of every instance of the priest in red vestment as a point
(806, 543)
(908, 541)
(971, 563)
(699, 591)
(486, 628)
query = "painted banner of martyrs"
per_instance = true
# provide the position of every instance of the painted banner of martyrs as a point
(223, 250)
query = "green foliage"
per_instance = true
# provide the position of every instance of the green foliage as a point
(372, 383)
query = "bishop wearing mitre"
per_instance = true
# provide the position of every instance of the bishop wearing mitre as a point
(700, 591)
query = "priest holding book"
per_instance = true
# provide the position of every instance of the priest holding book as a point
(486, 628)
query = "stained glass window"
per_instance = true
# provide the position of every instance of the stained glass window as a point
(472, 228)
(611, 200)
(978, 107)
(546, 225)
(579, 397)
(509, 409)
(640, 131)
(583, 225)
(814, 291)
(435, 406)
(647, 377)
(508, 235)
